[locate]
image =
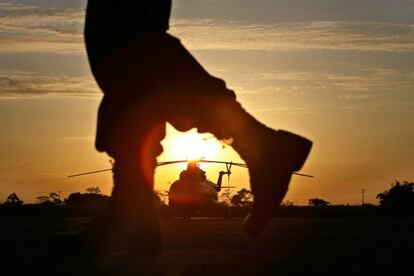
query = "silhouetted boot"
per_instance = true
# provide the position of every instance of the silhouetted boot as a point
(271, 156)
(134, 205)
(143, 235)
(98, 237)
(129, 222)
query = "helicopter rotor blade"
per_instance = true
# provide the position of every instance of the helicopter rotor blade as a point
(171, 162)
(164, 163)
(304, 175)
(224, 162)
(87, 173)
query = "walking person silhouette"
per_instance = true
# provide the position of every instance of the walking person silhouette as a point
(148, 78)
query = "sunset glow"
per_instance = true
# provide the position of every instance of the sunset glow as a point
(340, 74)
(190, 146)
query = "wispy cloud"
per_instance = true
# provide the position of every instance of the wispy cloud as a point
(360, 83)
(29, 29)
(328, 35)
(285, 110)
(32, 83)
(7, 164)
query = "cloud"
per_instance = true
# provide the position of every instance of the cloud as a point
(360, 83)
(29, 29)
(296, 10)
(32, 83)
(322, 35)
(26, 28)
(354, 97)
(285, 110)
(7, 162)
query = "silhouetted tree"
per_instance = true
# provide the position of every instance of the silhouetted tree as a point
(87, 199)
(55, 198)
(93, 190)
(226, 196)
(14, 200)
(163, 196)
(157, 197)
(243, 197)
(287, 203)
(398, 194)
(43, 200)
(317, 202)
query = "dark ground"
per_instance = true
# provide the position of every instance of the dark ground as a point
(289, 246)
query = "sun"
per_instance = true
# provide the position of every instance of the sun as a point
(195, 146)
(190, 145)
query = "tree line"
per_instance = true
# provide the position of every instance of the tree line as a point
(400, 194)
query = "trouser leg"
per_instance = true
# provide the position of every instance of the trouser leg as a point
(228, 120)
(206, 100)
(131, 215)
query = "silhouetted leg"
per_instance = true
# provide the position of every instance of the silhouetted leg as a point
(131, 216)
(272, 156)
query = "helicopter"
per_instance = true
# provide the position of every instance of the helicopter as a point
(192, 188)
(193, 191)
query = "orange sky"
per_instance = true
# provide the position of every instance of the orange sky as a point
(339, 74)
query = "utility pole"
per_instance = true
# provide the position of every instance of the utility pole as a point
(363, 196)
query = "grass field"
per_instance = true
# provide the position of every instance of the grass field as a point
(289, 246)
